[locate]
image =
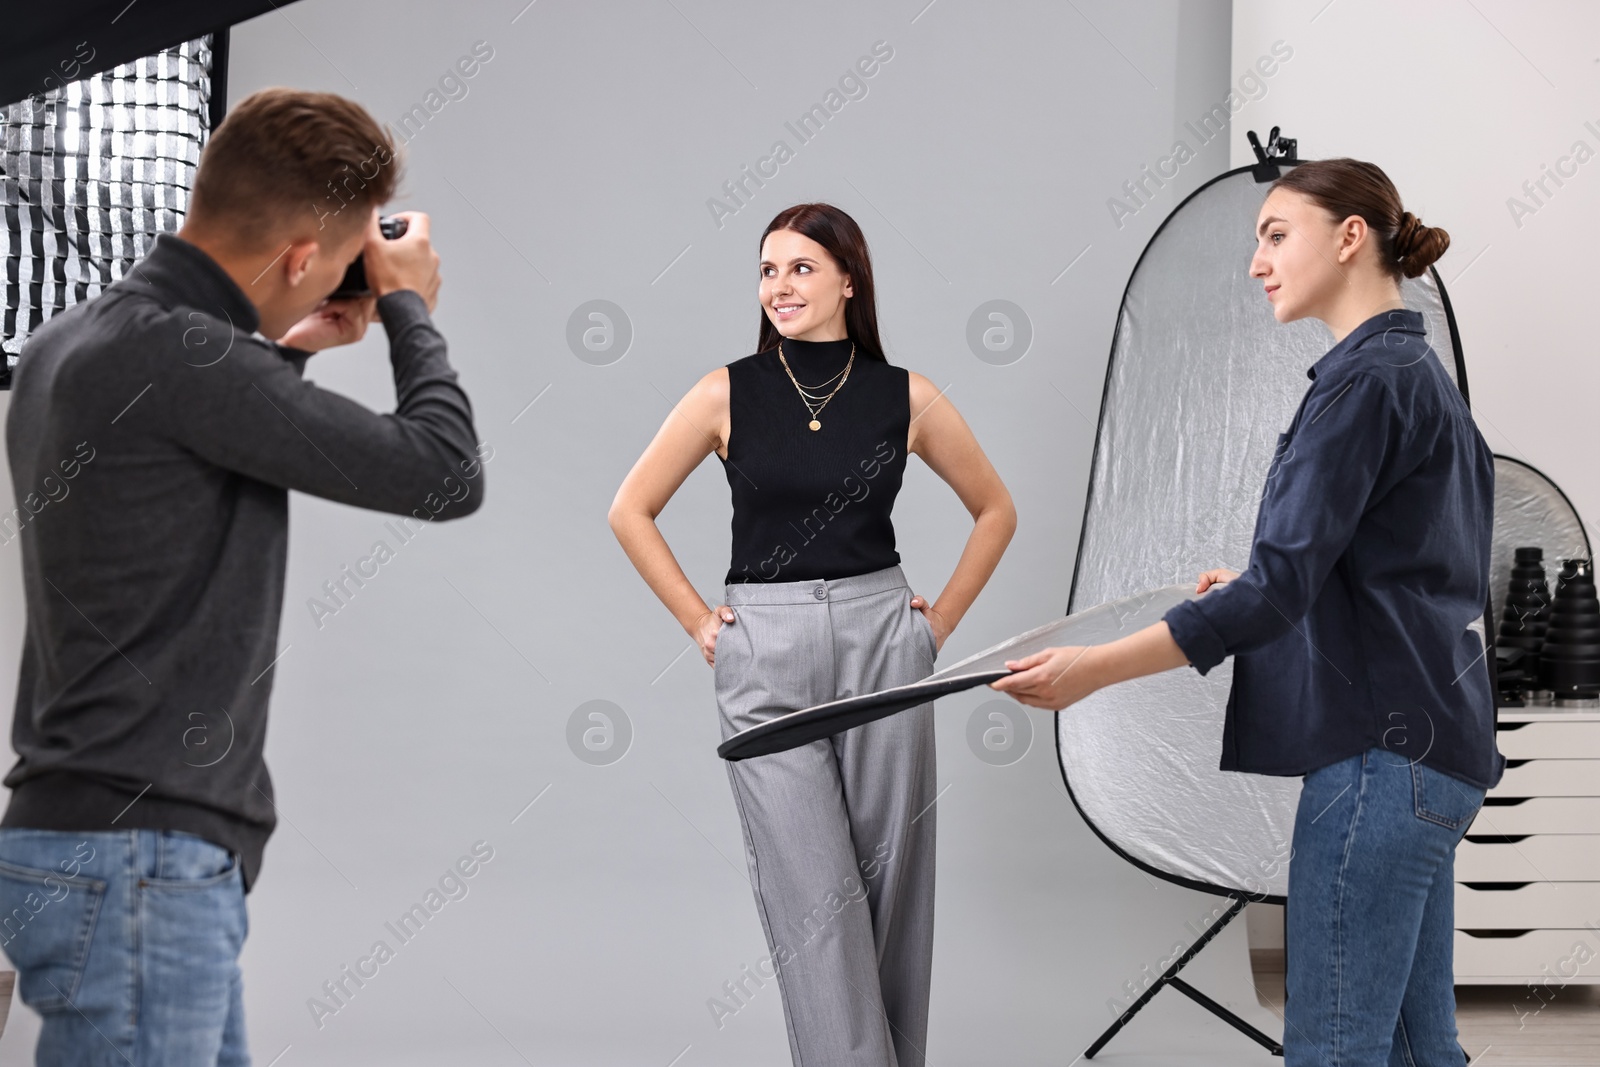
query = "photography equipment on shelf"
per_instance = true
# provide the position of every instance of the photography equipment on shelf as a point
(355, 279)
(1570, 658)
(1523, 625)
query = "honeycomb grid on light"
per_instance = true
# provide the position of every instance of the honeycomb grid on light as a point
(89, 174)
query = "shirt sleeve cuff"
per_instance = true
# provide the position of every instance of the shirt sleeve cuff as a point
(402, 308)
(296, 357)
(1195, 636)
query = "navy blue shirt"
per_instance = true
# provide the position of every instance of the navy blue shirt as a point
(1359, 621)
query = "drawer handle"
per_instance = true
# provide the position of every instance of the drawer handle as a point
(1495, 887)
(1496, 839)
(1487, 934)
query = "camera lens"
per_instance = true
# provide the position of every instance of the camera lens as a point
(354, 283)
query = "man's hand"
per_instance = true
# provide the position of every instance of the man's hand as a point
(1217, 576)
(407, 262)
(335, 322)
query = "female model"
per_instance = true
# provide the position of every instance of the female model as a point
(1356, 631)
(813, 432)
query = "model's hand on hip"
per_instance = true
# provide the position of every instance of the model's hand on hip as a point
(1218, 576)
(941, 629)
(708, 627)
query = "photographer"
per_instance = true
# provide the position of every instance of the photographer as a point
(154, 592)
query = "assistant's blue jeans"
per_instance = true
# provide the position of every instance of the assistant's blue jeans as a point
(1369, 926)
(127, 944)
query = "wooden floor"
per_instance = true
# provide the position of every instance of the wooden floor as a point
(1502, 1026)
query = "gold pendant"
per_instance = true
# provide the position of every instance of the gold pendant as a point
(815, 425)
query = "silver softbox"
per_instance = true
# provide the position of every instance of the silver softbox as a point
(90, 172)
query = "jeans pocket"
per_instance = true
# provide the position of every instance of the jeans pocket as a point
(46, 921)
(185, 861)
(1442, 799)
(191, 902)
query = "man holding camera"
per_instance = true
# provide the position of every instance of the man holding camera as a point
(154, 569)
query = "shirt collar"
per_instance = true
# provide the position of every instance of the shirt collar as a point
(182, 273)
(1403, 320)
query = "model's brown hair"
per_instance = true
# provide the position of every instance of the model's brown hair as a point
(1345, 187)
(285, 151)
(839, 235)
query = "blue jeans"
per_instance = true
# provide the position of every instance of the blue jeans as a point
(127, 944)
(1369, 927)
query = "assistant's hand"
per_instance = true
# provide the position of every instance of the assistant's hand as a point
(941, 629)
(407, 262)
(334, 322)
(1217, 576)
(1053, 678)
(708, 627)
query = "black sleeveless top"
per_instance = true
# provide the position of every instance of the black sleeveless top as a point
(811, 504)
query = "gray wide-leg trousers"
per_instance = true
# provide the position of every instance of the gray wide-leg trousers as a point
(839, 834)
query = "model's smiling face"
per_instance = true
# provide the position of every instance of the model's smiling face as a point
(803, 291)
(1297, 255)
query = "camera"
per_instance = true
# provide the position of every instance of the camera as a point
(355, 278)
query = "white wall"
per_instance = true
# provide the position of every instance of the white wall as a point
(1461, 104)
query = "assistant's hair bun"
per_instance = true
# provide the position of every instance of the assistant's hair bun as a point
(1417, 247)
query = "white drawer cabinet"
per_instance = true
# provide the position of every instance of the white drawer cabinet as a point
(1537, 815)
(1529, 906)
(1548, 740)
(1549, 778)
(1528, 873)
(1532, 956)
(1536, 858)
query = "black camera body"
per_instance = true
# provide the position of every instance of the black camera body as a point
(355, 278)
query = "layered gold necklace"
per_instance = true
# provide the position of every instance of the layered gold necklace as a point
(811, 395)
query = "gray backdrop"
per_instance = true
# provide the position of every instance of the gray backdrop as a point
(433, 708)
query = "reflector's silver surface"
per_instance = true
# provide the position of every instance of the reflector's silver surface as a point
(1092, 626)
(1097, 625)
(1202, 379)
(1530, 511)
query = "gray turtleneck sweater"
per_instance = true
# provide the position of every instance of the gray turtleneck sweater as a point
(152, 440)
